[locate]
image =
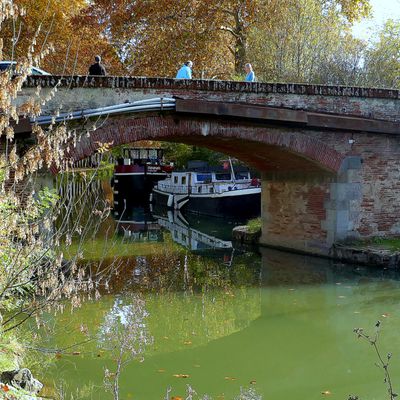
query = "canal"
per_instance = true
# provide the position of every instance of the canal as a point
(219, 318)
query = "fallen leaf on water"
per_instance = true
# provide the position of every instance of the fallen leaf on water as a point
(58, 355)
(5, 388)
(181, 375)
(291, 289)
(196, 365)
(76, 353)
(356, 312)
(253, 382)
(166, 337)
(176, 398)
(161, 370)
(230, 378)
(326, 393)
(187, 342)
(385, 315)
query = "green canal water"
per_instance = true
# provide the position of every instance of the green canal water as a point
(224, 318)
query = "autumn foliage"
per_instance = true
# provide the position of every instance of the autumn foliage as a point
(154, 37)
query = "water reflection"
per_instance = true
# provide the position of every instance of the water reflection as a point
(281, 320)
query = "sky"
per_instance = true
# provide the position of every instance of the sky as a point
(381, 10)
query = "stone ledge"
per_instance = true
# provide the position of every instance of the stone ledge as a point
(241, 234)
(127, 82)
(366, 255)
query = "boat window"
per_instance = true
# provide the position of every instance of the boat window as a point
(223, 177)
(153, 154)
(203, 177)
(175, 179)
(199, 189)
(183, 180)
(241, 175)
(211, 190)
(135, 154)
(144, 154)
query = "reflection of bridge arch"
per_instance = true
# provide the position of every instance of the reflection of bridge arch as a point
(265, 148)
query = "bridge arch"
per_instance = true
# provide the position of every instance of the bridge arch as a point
(266, 148)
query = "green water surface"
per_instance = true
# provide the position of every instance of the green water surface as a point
(221, 319)
(284, 329)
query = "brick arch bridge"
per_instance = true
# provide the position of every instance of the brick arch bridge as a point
(329, 155)
(267, 149)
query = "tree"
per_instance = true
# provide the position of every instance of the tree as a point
(74, 37)
(311, 43)
(382, 58)
(154, 37)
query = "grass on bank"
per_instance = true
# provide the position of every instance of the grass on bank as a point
(391, 244)
(254, 225)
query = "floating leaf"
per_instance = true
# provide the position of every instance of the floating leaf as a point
(385, 315)
(176, 398)
(5, 388)
(76, 353)
(187, 342)
(161, 370)
(181, 375)
(230, 378)
(326, 393)
(253, 382)
(58, 355)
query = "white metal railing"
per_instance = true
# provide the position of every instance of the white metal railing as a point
(208, 188)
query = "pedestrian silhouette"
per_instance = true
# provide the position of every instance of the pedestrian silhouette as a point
(250, 76)
(185, 72)
(97, 68)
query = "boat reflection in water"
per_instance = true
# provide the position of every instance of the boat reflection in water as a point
(136, 223)
(198, 233)
(188, 237)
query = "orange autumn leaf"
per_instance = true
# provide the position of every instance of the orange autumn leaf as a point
(5, 388)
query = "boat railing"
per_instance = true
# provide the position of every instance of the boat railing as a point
(205, 188)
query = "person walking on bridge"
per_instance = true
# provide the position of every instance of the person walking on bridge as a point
(250, 76)
(185, 72)
(97, 68)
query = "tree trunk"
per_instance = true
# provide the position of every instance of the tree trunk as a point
(240, 54)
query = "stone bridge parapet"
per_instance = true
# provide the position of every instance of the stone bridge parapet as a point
(78, 92)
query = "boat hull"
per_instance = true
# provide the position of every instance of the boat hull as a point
(238, 204)
(135, 188)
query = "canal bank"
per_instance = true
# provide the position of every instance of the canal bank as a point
(375, 252)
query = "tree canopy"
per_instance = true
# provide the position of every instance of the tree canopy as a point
(154, 37)
(291, 40)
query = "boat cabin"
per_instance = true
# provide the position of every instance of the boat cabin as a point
(209, 180)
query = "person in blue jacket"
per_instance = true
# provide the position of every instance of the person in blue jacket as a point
(250, 76)
(185, 72)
